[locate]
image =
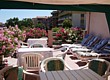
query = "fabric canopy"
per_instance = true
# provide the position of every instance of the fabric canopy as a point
(75, 5)
(33, 4)
(66, 2)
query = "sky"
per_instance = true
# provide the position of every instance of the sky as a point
(6, 14)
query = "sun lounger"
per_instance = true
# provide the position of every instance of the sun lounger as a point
(96, 48)
(90, 55)
(84, 41)
(101, 45)
(97, 51)
(94, 40)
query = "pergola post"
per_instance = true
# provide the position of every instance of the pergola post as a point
(50, 38)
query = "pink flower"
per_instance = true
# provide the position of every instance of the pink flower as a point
(1, 31)
(16, 26)
(1, 52)
(18, 45)
(16, 40)
(4, 38)
(9, 40)
(11, 33)
(12, 46)
(3, 47)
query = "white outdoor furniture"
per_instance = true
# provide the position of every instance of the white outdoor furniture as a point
(79, 74)
(100, 66)
(46, 52)
(42, 41)
(53, 64)
(31, 62)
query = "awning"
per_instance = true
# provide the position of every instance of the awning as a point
(65, 2)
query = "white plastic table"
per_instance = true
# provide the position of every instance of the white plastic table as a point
(42, 41)
(46, 52)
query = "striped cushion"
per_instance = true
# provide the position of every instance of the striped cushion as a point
(107, 48)
(54, 65)
(98, 66)
(86, 39)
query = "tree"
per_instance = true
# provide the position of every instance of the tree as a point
(40, 25)
(12, 22)
(27, 22)
(67, 23)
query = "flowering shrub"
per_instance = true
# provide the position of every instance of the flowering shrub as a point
(62, 34)
(75, 34)
(15, 32)
(9, 40)
(35, 33)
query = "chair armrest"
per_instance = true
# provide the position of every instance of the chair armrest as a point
(83, 67)
(66, 65)
(61, 55)
(32, 74)
(24, 43)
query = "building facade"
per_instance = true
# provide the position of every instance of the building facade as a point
(54, 22)
(41, 19)
(77, 18)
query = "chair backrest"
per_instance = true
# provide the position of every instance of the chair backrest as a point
(86, 39)
(93, 41)
(24, 44)
(100, 66)
(64, 51)
(15, 73)
(100, 45)
(31, 60)
(36, 45)
(52, 64)
(8, 71)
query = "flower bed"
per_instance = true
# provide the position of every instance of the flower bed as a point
(35, 33)
(9, 40)
(71, 35)
(75, 34)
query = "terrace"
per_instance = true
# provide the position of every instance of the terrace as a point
(96, 22)
(32, 37)
(75, 64)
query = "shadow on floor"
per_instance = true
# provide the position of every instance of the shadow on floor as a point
(69, 53)
(80, 63)
(73, 57)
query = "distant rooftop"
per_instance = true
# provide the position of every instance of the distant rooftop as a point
(42, 16)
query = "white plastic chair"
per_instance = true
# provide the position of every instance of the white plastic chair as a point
(31, 61)
(53, 64)
(36, 45)
(63, 51)
(100, 66)
(18, 73)
(24, 44)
